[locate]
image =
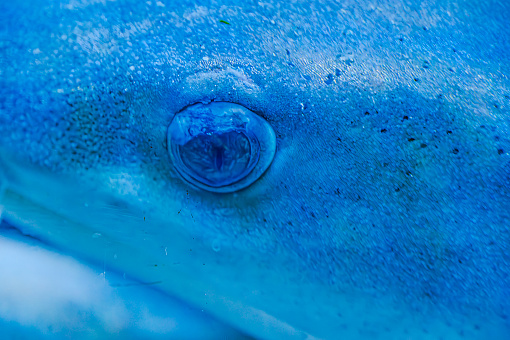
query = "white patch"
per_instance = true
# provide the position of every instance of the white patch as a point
(51, 291)
(48, 295)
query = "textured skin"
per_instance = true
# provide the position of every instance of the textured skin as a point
(390, 188)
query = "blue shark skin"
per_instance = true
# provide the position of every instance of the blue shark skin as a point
(385, 213)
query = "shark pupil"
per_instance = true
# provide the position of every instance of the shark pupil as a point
(219, 158)
(220, 147)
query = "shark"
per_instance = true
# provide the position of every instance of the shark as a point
(384, 212)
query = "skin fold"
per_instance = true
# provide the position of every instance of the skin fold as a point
(385, 212)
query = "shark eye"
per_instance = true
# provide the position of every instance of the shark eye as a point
(220, 147)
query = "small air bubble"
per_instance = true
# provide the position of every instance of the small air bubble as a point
(216, 245)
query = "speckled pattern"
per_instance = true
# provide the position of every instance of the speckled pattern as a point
(392, 173)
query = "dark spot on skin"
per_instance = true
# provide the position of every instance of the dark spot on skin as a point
(288, 53)
(416, 79)
(449, 132)
(496, 106)
(424, 28)
(500, 151)
(410, 139)
(405, 118)
(367, 113)
(397, 189)
(423, 145)
(455, 151)
(338, 139)
(383, 130)
(496, 137)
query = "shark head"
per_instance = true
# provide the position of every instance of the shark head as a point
(382, 211)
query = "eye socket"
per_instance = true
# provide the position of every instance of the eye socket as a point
(220, 147)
